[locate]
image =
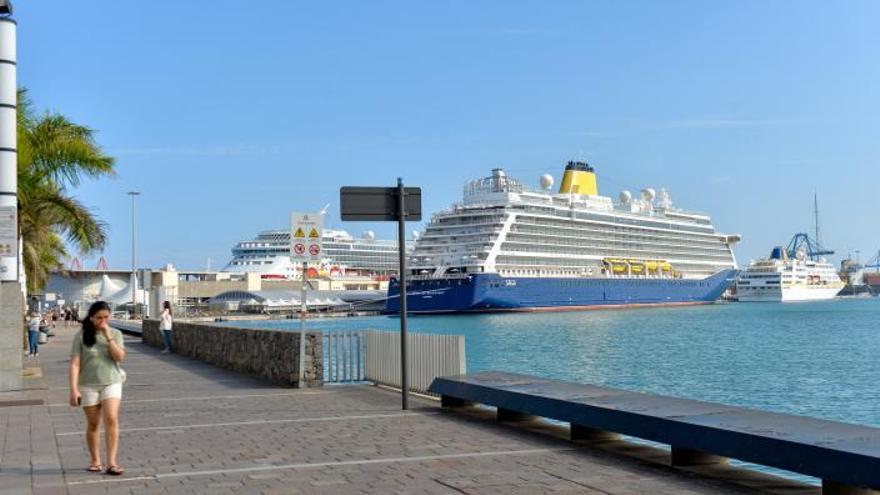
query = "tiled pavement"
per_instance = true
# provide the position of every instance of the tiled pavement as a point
(188, 427)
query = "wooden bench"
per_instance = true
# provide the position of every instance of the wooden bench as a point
(845, 457)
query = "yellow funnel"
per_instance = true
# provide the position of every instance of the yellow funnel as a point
(579, 178)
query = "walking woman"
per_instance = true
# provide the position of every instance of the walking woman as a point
(96, 383)
(33, 334)
(165, 323)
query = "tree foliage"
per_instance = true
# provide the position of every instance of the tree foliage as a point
(54, 156)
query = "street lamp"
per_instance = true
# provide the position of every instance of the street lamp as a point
(5, 7)
(133, 195)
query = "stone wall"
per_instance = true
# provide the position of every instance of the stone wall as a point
(268, 354)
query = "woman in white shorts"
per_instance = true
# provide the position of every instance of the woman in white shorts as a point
(96, 383)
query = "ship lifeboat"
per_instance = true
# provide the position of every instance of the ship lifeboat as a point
(636, 267)
(312, 273)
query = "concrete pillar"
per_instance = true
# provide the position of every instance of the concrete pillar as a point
(11, 296)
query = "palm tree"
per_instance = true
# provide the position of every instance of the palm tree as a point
(54, 156)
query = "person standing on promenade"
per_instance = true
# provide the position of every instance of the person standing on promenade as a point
(96, 383)
(33, 334)
(165, 324)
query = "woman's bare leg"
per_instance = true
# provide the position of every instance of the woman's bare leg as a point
(93, 430)
(110, 409)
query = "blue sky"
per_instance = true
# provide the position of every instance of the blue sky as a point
(227, 116)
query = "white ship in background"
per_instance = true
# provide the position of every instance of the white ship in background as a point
(269, 255)
(793, 274)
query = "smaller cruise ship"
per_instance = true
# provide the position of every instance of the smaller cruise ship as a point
(269, 255)
(782, 277)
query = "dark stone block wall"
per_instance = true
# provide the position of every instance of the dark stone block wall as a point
(268, 354)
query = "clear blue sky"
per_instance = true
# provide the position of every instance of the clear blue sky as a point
(227, 116)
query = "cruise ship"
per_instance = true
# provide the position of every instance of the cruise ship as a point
(788, 276)
(269, 255)
(505, 247)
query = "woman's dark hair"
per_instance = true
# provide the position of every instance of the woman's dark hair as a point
(88, 328)
(167, 305)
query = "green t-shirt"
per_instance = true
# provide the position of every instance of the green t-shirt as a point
(96, 367)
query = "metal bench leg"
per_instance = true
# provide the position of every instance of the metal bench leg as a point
(586, 433)
(688, 457)
(834, 488)
(508, 415)
(449, 401)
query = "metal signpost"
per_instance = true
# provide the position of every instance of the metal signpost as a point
(388, 204)
(306, 244)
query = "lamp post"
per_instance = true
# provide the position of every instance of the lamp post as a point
(133, 195)
(9, 232)
(12, 302)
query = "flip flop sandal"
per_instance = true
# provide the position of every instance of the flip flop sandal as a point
(114, 470)
(95, 469)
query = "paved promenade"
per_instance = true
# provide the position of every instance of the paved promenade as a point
(188, 427)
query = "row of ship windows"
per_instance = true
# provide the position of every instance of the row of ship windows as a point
(626, 232)
(601, 218)
(627, 221)
(577, 234)
(569, 263)
(610, 249)
(620, 253)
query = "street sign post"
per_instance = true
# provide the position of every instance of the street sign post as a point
(388, 204)
(306, 244)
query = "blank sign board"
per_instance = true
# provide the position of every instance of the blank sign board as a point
(379, 203)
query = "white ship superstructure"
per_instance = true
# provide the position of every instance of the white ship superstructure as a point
(269, 255)
(780, 278)
(503, 227)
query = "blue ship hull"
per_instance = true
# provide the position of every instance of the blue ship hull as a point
(485, 292)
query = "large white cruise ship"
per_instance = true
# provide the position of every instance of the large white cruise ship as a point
(508, 248)
(269, 255)
(788, 276)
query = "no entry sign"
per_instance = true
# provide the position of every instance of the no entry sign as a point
(306, 237)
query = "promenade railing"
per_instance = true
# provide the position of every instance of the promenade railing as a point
(374, 355)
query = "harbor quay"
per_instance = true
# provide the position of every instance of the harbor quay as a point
(191, 427)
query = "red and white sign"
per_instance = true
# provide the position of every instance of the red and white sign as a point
(306, 237)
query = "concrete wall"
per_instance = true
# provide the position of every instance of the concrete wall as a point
(268, 354)
(11, 332)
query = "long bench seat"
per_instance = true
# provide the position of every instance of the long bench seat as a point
(845, 456)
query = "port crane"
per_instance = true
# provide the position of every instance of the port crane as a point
(811, 247)
(873, 262)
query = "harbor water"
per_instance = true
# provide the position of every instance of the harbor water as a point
(816, 359)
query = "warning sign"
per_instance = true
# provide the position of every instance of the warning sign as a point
(313, 223)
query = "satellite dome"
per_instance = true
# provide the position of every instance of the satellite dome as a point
(546, 181)
(369, 235)
(415, 235)
(625, 197)
(648, 194)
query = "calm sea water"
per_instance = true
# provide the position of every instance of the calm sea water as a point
(818, 359)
